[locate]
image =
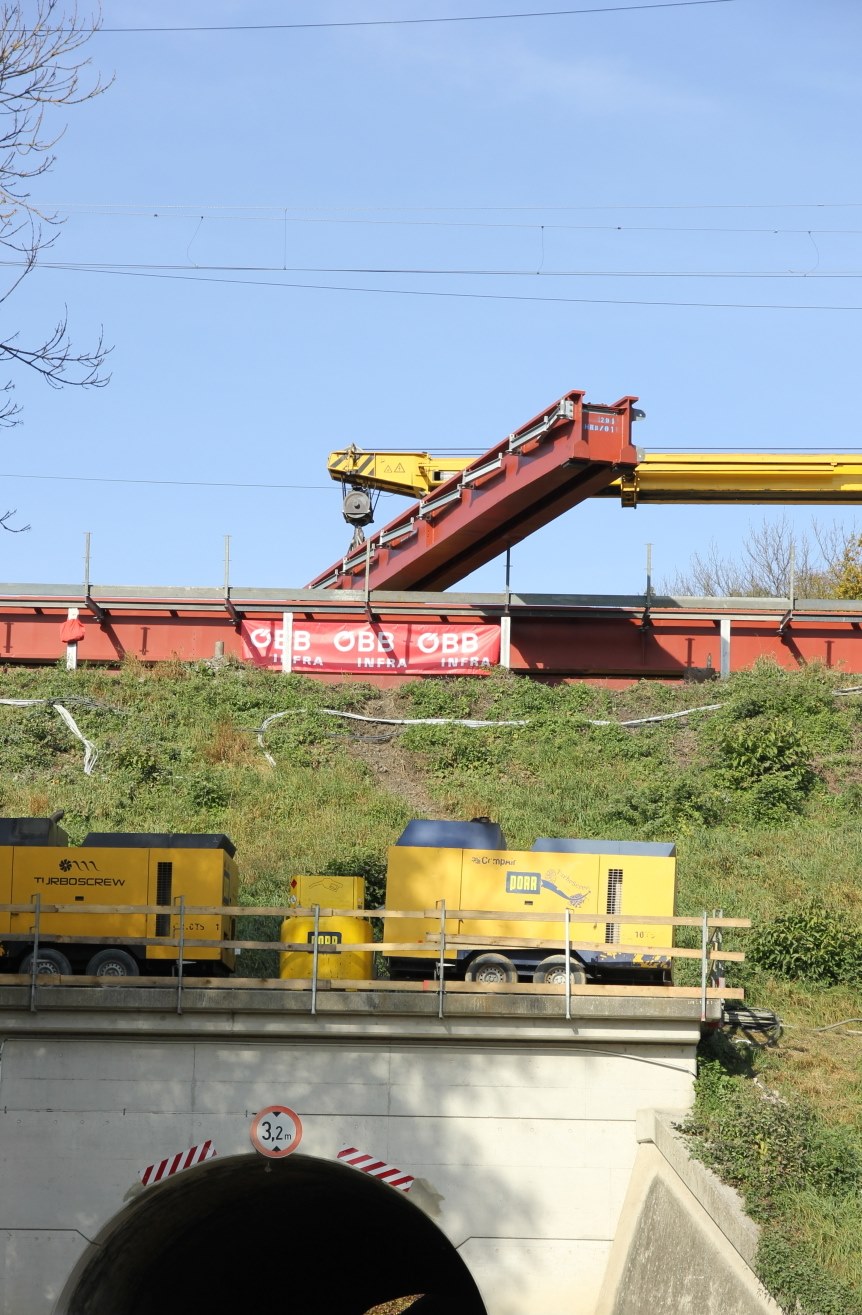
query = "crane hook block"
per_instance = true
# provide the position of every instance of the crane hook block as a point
(356, 508)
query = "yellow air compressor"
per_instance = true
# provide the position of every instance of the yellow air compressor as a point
(127, 870)
(334, 964)
(467, 866)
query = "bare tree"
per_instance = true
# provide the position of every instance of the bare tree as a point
(41, 69)
(774, 558)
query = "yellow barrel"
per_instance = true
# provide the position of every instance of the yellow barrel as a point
(341, 965)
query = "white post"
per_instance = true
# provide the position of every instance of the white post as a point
(724, 642)
(72, 649)
(287, 642)
(506, 642)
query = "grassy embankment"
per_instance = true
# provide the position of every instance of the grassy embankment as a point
(763, 797)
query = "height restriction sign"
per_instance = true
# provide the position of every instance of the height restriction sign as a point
(276, 1131)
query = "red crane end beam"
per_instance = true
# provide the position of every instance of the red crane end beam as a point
(566, 453)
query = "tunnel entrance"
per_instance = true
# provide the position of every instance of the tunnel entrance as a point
(248, 1234)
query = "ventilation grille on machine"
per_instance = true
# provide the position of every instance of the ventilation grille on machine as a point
(164, 882)
(615, 904)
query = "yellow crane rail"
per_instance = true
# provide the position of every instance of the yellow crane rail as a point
(756, 478)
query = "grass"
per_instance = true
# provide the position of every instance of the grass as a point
(763, 798)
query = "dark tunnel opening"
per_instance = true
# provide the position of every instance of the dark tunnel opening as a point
(247, 1234)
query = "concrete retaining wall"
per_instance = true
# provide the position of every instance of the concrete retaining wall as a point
(684, 1243)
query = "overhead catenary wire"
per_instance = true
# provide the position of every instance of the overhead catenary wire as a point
(283, 215)
(461, 451)
(543, 207)
(410, 22)
(175, 483)
(192, 277)
(394, 271)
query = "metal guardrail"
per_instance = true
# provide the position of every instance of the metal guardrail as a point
(711, 953)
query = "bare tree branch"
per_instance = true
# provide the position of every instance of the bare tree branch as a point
(774, 558)
(4, 522)
(41, 70)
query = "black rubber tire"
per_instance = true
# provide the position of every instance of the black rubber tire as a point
(553, 969)
(51, 963)
(112, 963)
(494, 968)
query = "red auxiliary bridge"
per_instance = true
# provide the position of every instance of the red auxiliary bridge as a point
(570, 452)
(371, 614)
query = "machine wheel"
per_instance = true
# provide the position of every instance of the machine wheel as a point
(494, 968)
(112, 963)
(552, 971)
(50, 962)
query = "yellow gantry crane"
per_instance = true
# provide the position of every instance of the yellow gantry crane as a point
(660, 477)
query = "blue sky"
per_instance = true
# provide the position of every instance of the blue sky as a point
(223, 169)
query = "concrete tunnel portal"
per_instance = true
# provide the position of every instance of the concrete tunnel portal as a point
(247, 1234)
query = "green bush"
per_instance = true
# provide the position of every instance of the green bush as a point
(667, 807)
(765, 747)
(793, 1272)
(809, 943)
(800, 1179)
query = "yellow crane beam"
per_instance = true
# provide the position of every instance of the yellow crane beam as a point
(756, 478)
(415, 474)
(741, 477)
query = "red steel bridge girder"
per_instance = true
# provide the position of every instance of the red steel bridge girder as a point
(585, 644)
(563, 455)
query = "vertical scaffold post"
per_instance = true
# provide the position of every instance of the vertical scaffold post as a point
(441, 966)
(34, 964)
(704, 964)
(568, 963)
(86, 563)
(716, 940)
(181, 945)
(367, 572)
(315, 951)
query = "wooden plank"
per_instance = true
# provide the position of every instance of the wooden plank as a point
(430, 943)
(423, 987)
(195, 943)
(504, 915)
(452, 915)
(591, 988)
(167, 982)
(519, 942)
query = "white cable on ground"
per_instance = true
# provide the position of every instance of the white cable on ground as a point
(386, 721)
(474, 723)
(91, 753)
(662, 716)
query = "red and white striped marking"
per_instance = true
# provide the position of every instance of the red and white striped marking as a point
(387, 1173)
(156, 1173)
